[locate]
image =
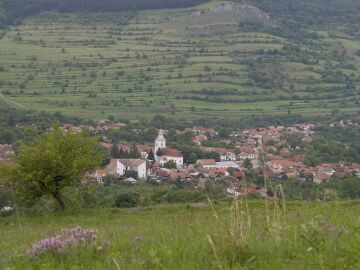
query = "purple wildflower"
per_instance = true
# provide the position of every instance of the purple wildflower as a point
(60, 243)
(139, 238)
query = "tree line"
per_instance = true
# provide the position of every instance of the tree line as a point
(19, 9)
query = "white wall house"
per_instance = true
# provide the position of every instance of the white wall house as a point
(227, 164)
(207, 163)
(248, 154)
(137, 165)
(179, 160)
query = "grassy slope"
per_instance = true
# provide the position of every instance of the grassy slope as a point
(155, 63)
(307, 236)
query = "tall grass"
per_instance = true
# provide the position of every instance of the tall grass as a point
(238, 235)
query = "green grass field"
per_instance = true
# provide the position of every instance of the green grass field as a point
(171, 62)
(306, 235)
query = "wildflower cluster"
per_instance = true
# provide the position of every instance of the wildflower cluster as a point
(60, 243)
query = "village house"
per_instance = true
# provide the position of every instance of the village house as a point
(199, 139)
(225, 154)
(207, 163)
(247, 153)
(227, 164)
(197, 130)
(119, 167)
(320, 177)
(105, 125)
(281, 165)
(179, 175)
(143, 150)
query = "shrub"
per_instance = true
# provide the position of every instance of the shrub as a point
(133, 174)
(127, 200)
(170, 165)
(182, 196)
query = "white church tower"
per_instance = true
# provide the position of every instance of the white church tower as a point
(160, 142)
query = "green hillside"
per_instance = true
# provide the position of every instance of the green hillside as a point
(219, 59)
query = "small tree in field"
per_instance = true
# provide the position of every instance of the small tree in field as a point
(57, 159)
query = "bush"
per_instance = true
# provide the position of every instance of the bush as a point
(132, 174)
(6, 213)
(5, 196)
(183, 196)
(160, 195)
(127, 200)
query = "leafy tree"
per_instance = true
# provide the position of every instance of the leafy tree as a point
(127, 200)
(214, 190)
(192, 158)
(134, 152)
(159, 153)
(132, 174)
(151, 155)
(224, 133)
(115, 151)
(170, 165)
(248, 164)
(231, 170)
(56, 160)
(179, 183)
(349, 188)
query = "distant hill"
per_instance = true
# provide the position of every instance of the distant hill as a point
(3, 18)
(216, 59)
(26, 8)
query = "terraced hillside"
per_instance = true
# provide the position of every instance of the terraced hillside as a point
(217, 59)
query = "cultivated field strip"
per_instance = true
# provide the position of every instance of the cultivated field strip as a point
(167, 62)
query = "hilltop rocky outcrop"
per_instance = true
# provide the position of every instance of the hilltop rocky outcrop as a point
(228, 7)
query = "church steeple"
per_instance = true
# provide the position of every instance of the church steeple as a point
(160, 141)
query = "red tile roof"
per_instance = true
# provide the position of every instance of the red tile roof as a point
(168, 152)
(132, 162)
(207, 162)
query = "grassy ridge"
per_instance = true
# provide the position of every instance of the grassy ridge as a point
(132, 65)
(302, 236)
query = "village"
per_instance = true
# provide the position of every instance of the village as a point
(268, 153)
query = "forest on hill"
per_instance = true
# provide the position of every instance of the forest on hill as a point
(26, 8)
(296, 12)
(311, 12)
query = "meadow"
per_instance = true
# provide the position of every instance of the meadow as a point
(187, 63)
(238, 235)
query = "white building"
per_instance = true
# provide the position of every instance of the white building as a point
(137, 165)
(207, 163)
(227, 164)
(212, 164)
(247, 154)
(167, 154)
(119, 167)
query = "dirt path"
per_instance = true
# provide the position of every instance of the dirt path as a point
(11, 103)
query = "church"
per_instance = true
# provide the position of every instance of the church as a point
(164, 154)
